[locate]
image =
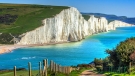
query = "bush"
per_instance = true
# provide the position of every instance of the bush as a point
(5, 38)
(99, 68)
(98, 62)
(85, 65)
(121, 55)
(7, 19)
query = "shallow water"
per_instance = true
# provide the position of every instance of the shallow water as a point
(68, 53)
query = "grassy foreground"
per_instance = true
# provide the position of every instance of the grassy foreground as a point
(119, 74)
(19, 73)
(73, 73)
(35, 73)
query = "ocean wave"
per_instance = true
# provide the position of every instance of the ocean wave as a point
(25, 58)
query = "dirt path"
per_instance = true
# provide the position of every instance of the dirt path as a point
(90, 73)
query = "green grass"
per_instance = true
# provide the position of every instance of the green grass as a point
(119, 74)
(86, 17)
(29, 16)
(78, 72)
(35, 72)
(73, 73)
(20, 73)
(26, 73)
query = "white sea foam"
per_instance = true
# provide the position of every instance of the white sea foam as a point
(25, 58)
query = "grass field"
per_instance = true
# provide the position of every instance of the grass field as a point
(20, 73)
(35, 72)
(119, 74)
(73, 73)
(28, 18)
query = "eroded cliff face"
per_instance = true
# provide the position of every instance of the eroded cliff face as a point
(67, 26)
(112, 25)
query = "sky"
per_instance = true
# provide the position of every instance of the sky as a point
(116, 7)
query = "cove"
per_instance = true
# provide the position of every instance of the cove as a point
(67, 54)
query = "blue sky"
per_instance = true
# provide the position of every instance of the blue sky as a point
(117, 7)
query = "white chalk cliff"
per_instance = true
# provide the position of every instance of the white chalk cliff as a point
(68, 25)
(112, 25)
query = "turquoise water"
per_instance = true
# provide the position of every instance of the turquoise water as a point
(68, 53)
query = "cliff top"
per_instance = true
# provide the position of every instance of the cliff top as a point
(20, 18)
(110, 17)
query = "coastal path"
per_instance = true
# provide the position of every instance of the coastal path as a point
(90, 73)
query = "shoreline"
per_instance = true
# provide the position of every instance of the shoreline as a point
(6, 48)
(9, 48)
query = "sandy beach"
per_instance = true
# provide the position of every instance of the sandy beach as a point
(9, 48)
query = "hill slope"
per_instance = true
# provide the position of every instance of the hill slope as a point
(20, 18)
(16, 18)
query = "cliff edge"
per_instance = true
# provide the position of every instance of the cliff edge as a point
(67, 26)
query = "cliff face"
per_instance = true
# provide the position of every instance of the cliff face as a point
(112, 25)
(98, 24)
(67, 26)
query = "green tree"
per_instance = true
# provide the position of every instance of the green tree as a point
(98, 64)
(121, 55)
(113, 57)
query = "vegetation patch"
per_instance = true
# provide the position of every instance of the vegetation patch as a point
(6, 38)
(86, 17)
(7, 19)
(120, 60)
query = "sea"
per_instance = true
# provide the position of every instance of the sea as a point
(67, 54)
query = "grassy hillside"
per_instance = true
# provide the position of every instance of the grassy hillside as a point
(86, 17)
(22, 18)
